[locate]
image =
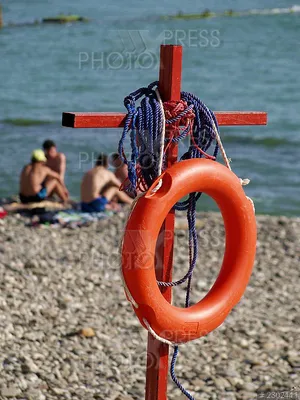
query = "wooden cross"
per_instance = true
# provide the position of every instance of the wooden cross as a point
(169, 88)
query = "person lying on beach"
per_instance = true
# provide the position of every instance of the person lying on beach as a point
(55, 160)
(99, 187)
(37, 181)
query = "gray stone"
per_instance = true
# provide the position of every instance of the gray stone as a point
(10, 391)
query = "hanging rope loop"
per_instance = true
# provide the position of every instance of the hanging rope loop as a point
(144, 125)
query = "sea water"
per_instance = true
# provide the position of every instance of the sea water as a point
(248, 62)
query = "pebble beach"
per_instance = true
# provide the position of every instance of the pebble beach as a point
(68, 332)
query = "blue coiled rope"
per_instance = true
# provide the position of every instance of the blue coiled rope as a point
(144, 126)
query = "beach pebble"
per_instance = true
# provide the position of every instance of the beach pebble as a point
(58, 288)
(10, 391)
(87, 332)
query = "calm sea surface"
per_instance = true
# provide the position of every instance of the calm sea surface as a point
(249, 62)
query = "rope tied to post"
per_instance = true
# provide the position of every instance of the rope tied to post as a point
(178, 111)
(144, 125)
(149, 141)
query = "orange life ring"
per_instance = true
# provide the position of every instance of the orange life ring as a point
(138, 250)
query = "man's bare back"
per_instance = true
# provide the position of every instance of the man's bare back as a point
(37, 181)
(32, 178)
(94, 181)
(99, 187)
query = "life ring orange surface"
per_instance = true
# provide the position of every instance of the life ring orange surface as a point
(172, 323)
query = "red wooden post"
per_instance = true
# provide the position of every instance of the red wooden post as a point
(158, 353)
(169, 87)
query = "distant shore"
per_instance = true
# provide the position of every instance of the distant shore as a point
(180, 15)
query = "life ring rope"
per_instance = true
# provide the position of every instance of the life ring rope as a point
(157, 337)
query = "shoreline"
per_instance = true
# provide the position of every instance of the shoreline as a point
(4, 201)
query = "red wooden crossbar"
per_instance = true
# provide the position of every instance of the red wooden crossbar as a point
(116, 120)
(169, 87)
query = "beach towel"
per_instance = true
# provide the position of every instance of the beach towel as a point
(69, 218)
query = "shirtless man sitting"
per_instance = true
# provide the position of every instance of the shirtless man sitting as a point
(121, 169)
(99, 186)
(38, 182)
(55, 160)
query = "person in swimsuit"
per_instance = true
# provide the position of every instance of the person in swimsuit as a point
(37, 181)
(99, 186)
(55, 160)
(121, 171)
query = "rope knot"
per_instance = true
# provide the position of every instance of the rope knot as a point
(178, 112)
